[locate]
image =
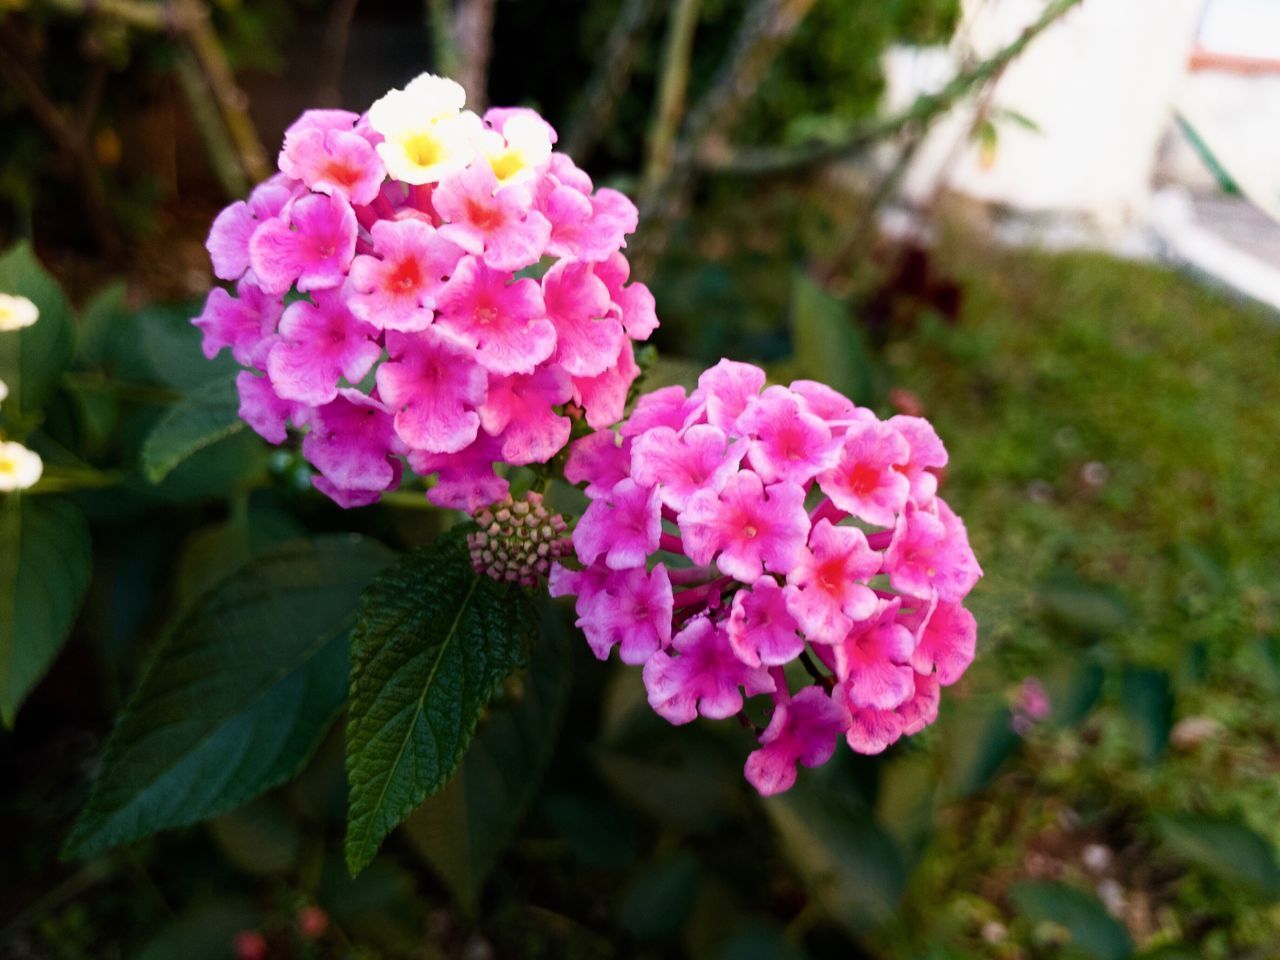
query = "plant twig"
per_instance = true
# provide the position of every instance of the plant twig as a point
(672, 91)
(443, 43)
(609, 79)
(473, 39)
(337, 33)
(204, 113)
(770, 161)
(768, 27)
(232, 101)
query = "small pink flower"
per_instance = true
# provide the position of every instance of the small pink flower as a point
(623, 526)
(465, 480)
(397, 289)
(664, 407)
(947, 642)
(705, 677)
(323, 150)
(520, 410)
(506, 323)
(760, 628)
(603, 397)
(600, 460)
(865, 481)
(435, 387)
(873, 661)
(243, 322)
(804, 730)
(588, 336)
(680, 465)
(311, 244)
(351, 442)
(320, 343)
(261, 408)
(827, 404)
(827, 590)
(930, 554)
(727, 388)
(634, 302)
(632, 612)
(584, 225)
(926, 455)
(499, 225)
(747, 525)
(873, 731)
(787, 442)
(228, 242)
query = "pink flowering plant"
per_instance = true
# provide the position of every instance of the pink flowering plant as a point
(743, 531)
(426, 299)
(423, 287)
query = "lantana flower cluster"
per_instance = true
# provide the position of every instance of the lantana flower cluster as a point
(745, 540)
(423, 284)
(20, 468)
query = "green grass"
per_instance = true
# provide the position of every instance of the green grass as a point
(1115, 439)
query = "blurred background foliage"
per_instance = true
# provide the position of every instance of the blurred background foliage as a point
(1113, 432)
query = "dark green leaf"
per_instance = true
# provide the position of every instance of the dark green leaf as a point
(172, 348)
(463, 830)
(600, 834)
(45, 564)
(34, 358)
(1073, 686)
(850, 866)
(208, 415)
(660, 900)
(1229, 850)
(433, 643)
(1148, 702)
(827, 345)
(261, 838)
(238, 696)
(979, 738)
(1081, 608)
(1093, 931)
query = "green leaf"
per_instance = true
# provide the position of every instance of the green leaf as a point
(1148, 703)
(171, 346)
(1094, 932)
(851, 868)
(1229, 850)
(45, 564)
(978, 738)
(433, 642)
(238, 696)
(661, 899)
(202, 932)
(463, 830)
(828, 347)
(33, 359)
(209, 414)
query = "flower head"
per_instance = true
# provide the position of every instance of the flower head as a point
(388, 258)
(16, 312)
(20, 468)
(742, 496)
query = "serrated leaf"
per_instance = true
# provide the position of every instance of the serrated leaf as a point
(463, 830)
(827, 345)
(1229, 850)
(1094, 932)
(433, 642)
(209, 414)
(239, 693)
(45, 565)
(33, 359)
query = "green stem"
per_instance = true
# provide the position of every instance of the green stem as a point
(672, 91)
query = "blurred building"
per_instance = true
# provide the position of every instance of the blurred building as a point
(1149, 128)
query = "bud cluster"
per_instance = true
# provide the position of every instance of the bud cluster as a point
(518, 540)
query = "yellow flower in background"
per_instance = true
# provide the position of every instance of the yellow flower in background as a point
(517, 153)
(426, 134)
(20, 468)
(17, 312)
(4, 391)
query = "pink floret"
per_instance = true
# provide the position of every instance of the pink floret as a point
(704, 676)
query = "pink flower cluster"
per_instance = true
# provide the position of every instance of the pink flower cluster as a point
(748, 540)
(446, 319)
